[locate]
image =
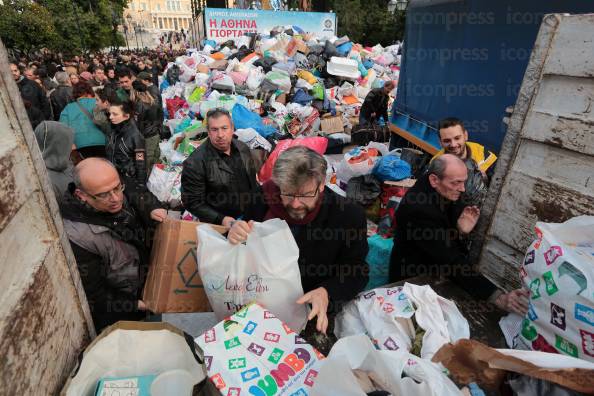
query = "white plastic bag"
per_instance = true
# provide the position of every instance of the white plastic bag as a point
(253, 139)
(165, 184)
(383, 314)
(222, 81)
(558, 269)
(346, 89)
(439, 317)
(255, 78)
(355, 368)
(264, 269)
(347, 170)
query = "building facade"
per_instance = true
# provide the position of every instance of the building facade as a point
(158, 15)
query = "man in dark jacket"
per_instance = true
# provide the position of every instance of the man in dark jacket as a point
(31, 93)
(147, 80)
(108, 238)
(430, 236)
(376, 104)
(331, 233)
(219, 177)
(62, 95)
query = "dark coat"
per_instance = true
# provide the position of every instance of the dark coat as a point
(32, 93)
(61, 96)
(111, 256)
(156, 93)
(332, 248)
(427, 241)
(376, 102)
(208, 183)
(125, 149)
(149, 118)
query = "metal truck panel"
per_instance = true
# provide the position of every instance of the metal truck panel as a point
(546, 166)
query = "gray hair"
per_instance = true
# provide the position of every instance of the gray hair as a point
(62, 78)
(438, 166)
(298, 165)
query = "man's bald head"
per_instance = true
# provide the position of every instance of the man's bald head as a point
(447, 175)
(440, 164)
(91, 169)
(98, 184)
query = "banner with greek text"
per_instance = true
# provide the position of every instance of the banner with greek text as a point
(222, 24)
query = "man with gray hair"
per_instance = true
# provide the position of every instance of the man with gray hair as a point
(62, 95)
(331, 232)
(219, 177)
(432, 226)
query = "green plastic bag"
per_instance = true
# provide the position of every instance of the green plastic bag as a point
(318, 91)
(185, 147)
(197, 95)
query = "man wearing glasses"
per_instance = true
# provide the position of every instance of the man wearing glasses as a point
(219, 177)
(108, 238)
(331, 233)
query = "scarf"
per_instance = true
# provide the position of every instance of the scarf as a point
(277, 210)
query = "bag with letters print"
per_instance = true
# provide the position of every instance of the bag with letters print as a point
(558, 269)
(264, 269)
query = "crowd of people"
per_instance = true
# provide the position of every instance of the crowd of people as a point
(99, 120)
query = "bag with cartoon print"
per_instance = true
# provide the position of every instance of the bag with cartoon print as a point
(558, 269)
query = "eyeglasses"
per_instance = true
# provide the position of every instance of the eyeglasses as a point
(300, 197)
(104, 196)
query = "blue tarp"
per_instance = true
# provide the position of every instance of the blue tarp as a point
(467, 59)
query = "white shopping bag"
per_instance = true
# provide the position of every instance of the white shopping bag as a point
(558, 269)
(264, 270)
(439, 317)
(354, 368)
(384, 315)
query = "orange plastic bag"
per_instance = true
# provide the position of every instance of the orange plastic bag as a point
(217, 56)
(352, 99)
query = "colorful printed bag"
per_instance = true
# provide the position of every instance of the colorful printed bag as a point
(558, 269)
(254, 353)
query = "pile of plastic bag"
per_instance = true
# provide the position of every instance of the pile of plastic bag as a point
(276, 86)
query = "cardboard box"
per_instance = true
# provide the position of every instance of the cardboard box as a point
(173, 283)
(332, 125)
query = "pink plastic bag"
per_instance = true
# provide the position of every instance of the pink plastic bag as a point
(318, 144)
(239, 78)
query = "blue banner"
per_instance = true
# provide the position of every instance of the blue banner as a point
(224, 24)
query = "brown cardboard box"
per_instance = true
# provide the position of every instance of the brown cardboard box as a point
(332, 125)
(173, 283)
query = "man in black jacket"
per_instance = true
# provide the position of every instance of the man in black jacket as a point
(376, 105)
(331, 233)
(146, 78)
(219, 177)
(62, 95)
(108, 238)
(31, 93)
(430, 236)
